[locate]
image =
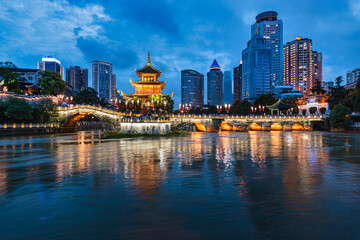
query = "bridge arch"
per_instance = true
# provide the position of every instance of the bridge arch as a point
(298, 127)
(200, 126)
(255, 127)
(71, 121)
(276, 127)
(225, 126)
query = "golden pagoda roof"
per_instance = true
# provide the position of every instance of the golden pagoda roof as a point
(130, 96)
(148, 68)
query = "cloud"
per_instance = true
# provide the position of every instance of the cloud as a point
(118, 55)
(51, 29)
(355, 8)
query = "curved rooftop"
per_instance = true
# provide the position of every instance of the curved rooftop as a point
(267, 16)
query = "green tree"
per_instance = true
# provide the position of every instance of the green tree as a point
(51, 83)
(339, 117)
(338, 93)
(265, 100)
(44, 111)
(317, 88)
(7, 77)
(87, 96)
(18, 110)
(3, 108)
(289, 100)
(241, 108)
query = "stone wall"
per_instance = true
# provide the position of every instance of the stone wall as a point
(151, 128)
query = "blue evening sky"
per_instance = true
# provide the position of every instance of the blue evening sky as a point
(186, 34)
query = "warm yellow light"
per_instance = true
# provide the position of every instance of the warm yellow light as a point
(255, 127)
(297, 127)
(225, 126)
(200, 126)
(276, 127)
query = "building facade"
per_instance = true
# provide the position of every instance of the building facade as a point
(238, 83)
(192, 88)
(298, 64)
(228, 93)
(317, 67)
(352, 76)
(77, 77)
(113, 87)
(256, 68)
(215, 85)
(101, 78)
(271, 29)
(50, 63)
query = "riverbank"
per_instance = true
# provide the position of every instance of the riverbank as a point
(115, 134)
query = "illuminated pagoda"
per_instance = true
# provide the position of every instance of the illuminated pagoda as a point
(148, 84)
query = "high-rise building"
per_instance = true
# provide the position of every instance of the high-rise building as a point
(113, 86)
(77, 77)
(271, 29)
(101, 78)
(352, 76)
(215, 85)
(298, 64)
(192, 88)
(317, 66)
(228, 95)
(50, 63)
(256, 68)
(238, 83)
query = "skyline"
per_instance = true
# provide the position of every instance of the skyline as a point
(171, 33)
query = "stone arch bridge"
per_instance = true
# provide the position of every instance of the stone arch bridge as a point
(111, 120)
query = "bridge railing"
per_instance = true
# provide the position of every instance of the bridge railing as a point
(109, 111)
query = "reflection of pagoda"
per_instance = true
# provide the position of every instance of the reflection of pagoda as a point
(148, 84)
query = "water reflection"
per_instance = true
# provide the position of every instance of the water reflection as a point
(265, 183)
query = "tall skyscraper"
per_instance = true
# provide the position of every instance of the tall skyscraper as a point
(352, 76)
(77, 77)
(50, 63)
(101, 78)
(228, 95)
(271, 29)
(113, 86)
(299, 67)
(256, 68)
(238, 83)
(215, 85)
(317, 66)
(192, 88)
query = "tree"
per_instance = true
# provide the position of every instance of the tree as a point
(44, 111)
(317, 88)
(87, 96)
(289, 100)
(18, 110)
(51, 83)
(241, 108)
(8, 77)
(265, 100)
(339, 117)
(338, 93)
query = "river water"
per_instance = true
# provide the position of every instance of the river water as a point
(254, 185)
